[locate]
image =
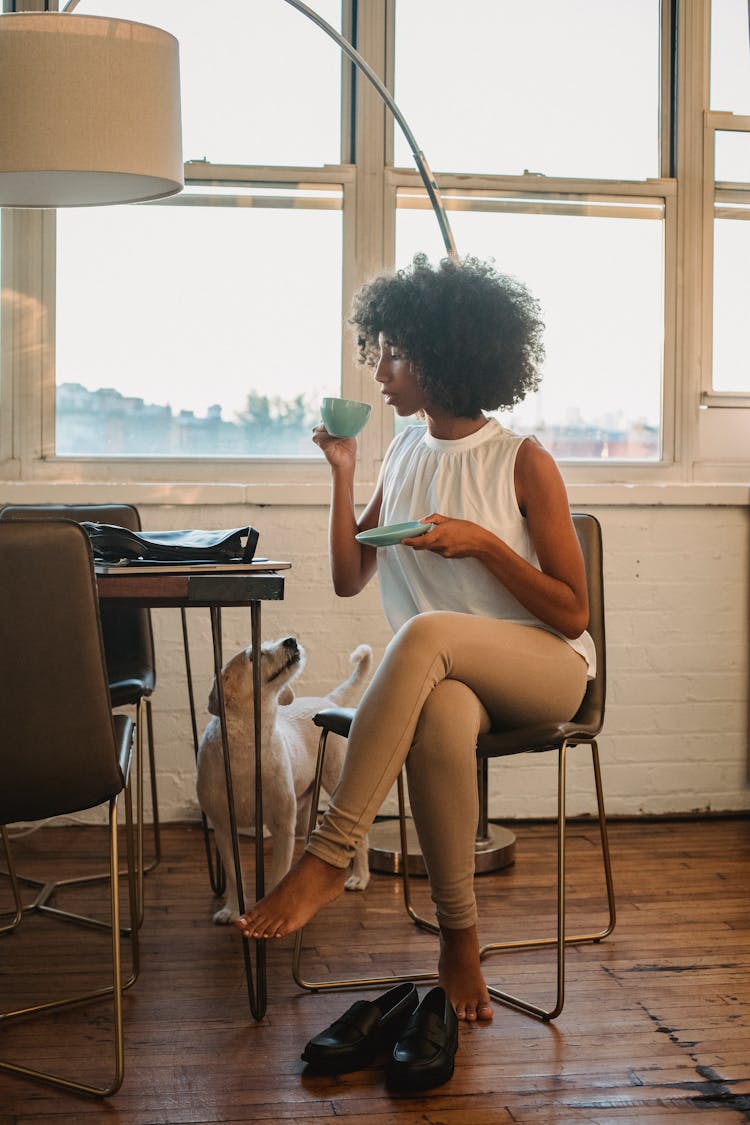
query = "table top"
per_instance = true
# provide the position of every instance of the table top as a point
(198, 589)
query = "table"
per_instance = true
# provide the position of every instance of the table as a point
(216, 591)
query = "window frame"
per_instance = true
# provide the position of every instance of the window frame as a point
(370, 186)
(715, 193)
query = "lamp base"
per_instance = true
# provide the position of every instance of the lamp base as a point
(497, 850)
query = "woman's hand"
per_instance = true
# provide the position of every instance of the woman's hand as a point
(451, 538)
(340, 452)
(352, 563)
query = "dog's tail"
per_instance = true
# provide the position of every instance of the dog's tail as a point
(348, 693)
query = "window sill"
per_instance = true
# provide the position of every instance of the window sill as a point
(157, 494)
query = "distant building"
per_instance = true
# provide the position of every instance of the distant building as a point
(106, 423)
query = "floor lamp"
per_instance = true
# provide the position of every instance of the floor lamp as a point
(90, 111)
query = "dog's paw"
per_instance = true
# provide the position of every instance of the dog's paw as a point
(356, 883)
(224, 916)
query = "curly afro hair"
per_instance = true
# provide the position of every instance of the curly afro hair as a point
(473, 335)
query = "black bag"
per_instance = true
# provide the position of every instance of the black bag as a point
(113, 543)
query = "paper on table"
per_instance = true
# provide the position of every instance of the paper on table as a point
(131, 567)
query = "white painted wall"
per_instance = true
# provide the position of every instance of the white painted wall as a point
(677, 596)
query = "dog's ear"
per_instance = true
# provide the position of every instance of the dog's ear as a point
(213, 700)
(286, 696)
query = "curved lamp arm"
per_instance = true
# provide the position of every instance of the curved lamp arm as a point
(423, 167)
(419, 158)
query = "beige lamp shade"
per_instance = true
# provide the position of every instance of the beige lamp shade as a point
(89, 111)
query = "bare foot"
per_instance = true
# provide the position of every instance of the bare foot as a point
(461, 975)
(309, 885)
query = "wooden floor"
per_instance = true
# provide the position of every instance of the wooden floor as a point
(656, 1024)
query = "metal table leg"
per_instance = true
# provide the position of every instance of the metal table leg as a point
(257, 989)
(216, 876)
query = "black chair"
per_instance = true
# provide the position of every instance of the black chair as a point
(62, 750)
(582, 730)
(129, 650)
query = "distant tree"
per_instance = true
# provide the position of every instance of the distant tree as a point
(279, 425)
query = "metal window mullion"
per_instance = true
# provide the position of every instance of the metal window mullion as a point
(668, 88)
(7, 397)
(707, 272)
(198, 172)
(542, 187)
(367, 227)
(554, 205)
(670, 437)
(689, 282)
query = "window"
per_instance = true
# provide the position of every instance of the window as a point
(209, 325)
(190, 339)
(600, 396)
(730, 56)
(487, 88)
(220, 347)
(594, 256)
(727, 167)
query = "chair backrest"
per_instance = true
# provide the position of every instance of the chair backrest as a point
(57, 743)
(128, 637)
(589, 532)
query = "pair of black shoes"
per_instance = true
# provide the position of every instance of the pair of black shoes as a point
(418, 1039)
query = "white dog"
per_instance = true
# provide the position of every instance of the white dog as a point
(289, 740)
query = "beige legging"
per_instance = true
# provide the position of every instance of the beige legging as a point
(444, 678)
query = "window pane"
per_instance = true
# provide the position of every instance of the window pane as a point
(730, 56)
(170, 317)
(261, 84)
(600, 284)
(731, 367)
(504, 86)
(732, 156)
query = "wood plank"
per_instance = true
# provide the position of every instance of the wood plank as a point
(656, 1023)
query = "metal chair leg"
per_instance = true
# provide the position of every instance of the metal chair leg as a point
(329, 985)
(114, 990)
(561, 938)
(46, 889)
(17, 904)
(145, 705)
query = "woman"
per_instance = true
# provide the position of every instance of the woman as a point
(488, 608)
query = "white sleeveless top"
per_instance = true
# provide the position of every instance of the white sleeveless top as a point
(469, 478)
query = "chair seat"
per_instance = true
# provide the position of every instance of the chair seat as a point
(520, 740)
(533, 739)
(338, 720)
(129, 689)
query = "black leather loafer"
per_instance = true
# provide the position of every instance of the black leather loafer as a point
(424, 1054)
(367, 1029)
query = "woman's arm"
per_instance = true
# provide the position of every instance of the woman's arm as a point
(557, 593)
(352, 564)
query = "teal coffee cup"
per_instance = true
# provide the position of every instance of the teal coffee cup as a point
(343, 417)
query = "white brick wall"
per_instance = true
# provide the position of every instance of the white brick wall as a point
(677, 586)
